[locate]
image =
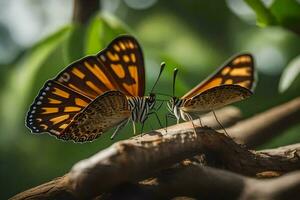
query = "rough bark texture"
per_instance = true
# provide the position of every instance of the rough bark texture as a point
(194, 180)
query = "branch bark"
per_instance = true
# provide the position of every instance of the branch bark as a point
(143, 157)
(257, 130)
(194, 180)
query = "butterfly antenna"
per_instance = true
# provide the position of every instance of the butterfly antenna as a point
(174, 79)
(162, 66)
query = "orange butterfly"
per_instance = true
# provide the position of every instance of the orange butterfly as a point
(233, 82)
(94, 94)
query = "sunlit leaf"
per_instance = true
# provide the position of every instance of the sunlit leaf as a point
(263, 14)
(73, 45)
(287, 13)
(93, 42)
(101, 30)
(289, 74)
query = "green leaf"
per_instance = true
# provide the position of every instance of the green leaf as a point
(102, 30)
(287, 13)
(23, 77)
(263, 14)
(93, 42)
(74, 43)
(289, 74)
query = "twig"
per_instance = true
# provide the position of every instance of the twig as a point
(58, 188)
(260, 128)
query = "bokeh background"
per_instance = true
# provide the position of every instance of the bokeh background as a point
(39, 38)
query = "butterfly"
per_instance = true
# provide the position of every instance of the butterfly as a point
(232, 82)
(94, 94)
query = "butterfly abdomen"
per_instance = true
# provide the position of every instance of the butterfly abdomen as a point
(215, 98)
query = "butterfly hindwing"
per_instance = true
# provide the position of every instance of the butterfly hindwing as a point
(238, 71)
(106, 111)
(124, 60)
(215, 98)
(54, 108)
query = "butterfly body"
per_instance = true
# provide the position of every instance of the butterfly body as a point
(138, 104)
(93, 94)
(231, 83)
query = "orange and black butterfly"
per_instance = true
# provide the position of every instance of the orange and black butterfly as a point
(233, 82)
(94, 94)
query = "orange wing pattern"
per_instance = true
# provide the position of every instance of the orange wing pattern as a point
(124, 61)
(120, 66)
(238, 71)
(54, 108)
(87, 77)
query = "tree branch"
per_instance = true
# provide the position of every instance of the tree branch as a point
(83, 10)
(260, 128)
(194, 180)
(143, 157)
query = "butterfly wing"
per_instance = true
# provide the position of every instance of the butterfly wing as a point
(237, 71)
(215, 98)
(88, 77)
(54, 108)
(106, 111)
(120, 66)
(123, 59)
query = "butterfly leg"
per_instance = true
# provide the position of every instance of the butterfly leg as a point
(158, 108)
(134, 129)
(200, 122)
(142, 129)
(169, 115)
(119, 127)
(220, 123)
(156, 115)
(191, 119)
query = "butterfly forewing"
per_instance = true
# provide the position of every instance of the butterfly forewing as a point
(238, 71)
(106, 111)
(54, 108)
(120, 66)
(88, 77)
(124, 60)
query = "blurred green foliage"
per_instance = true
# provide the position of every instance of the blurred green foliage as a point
(284, 13)
(195, 36)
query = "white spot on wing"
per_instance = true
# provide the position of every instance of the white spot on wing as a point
(103, 58)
